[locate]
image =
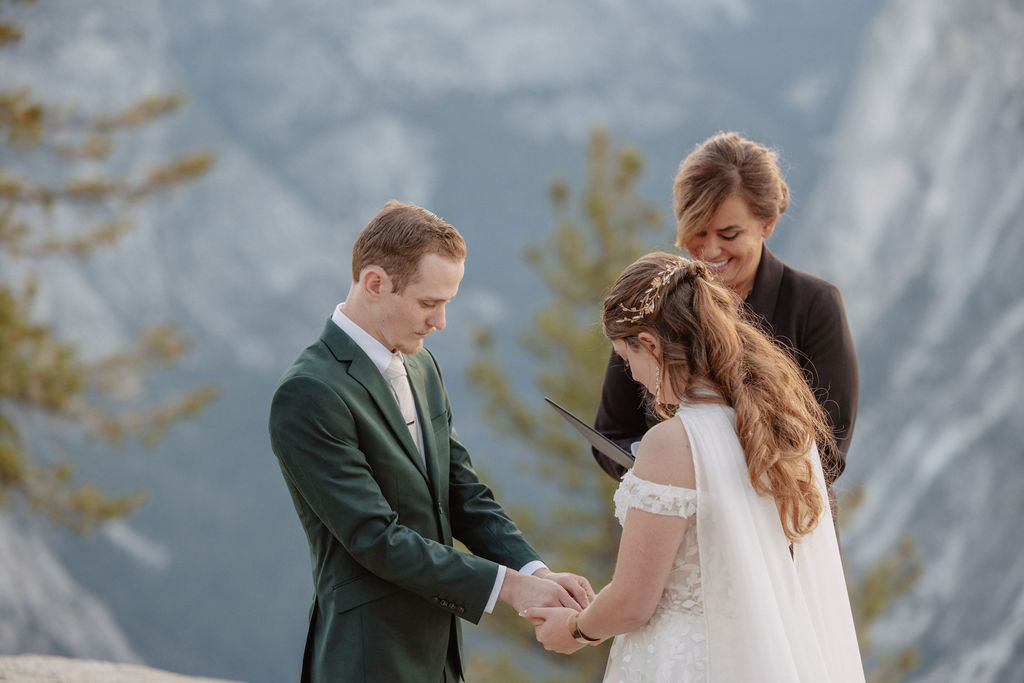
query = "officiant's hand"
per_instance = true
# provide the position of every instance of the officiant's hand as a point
(523, 591)
(577, 586)
(553, 627)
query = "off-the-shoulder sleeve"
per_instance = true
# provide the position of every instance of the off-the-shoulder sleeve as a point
(660, 499)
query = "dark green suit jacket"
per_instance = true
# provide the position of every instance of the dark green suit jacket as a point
(389, 584)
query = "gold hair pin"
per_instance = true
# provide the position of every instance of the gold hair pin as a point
(650, 295)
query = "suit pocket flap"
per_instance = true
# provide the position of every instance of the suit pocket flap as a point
(360, 591)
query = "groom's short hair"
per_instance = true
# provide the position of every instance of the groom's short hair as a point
(399, 236)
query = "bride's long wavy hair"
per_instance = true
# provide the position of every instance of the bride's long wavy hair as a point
(706, 342)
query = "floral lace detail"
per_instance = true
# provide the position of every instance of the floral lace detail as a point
(660, 499)
(671, 647)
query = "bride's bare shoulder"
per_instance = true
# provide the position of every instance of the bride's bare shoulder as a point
(664, 455)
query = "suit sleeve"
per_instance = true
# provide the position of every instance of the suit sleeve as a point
(828, 348)
(314, 436)
(477, 519)
(621, 415)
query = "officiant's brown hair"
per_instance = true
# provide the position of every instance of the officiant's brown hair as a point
(706, 340)
(726, 165)
(398, 237)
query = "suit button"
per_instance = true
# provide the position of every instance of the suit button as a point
(436, 599)
(462, 610)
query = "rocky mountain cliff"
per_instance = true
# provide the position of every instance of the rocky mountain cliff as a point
(920, 221)
(43, 608)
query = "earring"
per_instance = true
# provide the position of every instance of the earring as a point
(657, 386)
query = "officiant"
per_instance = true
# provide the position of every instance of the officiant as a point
(727, 197)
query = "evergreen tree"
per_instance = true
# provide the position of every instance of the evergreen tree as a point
(56, 160)
(584, 254)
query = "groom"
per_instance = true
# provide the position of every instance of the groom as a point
(362, 430)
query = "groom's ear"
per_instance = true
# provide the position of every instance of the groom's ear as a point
(374, 282)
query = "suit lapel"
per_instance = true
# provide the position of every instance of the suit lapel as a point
(418, 384)
(363, 371)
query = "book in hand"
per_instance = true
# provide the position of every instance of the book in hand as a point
(602, 443)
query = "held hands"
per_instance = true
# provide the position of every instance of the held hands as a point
(551, 601)
(555, 626)
(523, 591)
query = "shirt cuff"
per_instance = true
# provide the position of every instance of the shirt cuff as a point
(498, 581)
(530, 567)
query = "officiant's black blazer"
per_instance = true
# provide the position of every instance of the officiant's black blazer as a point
(802, 312)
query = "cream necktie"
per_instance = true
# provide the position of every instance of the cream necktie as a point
(394, 373)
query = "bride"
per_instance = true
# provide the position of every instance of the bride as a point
(728, 568)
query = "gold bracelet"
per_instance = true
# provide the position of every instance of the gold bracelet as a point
(578, 635)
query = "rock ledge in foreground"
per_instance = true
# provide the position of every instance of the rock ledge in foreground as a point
(49, 669)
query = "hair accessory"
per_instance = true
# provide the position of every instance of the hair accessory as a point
(650, 295)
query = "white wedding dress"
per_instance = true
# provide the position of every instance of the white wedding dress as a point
(737, 605)
(672, 645)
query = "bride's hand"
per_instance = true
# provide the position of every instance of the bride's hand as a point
(553, 628)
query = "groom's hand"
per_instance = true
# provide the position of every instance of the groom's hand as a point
(577, 586)
(523, 591)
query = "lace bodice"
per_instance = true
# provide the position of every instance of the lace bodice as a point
(671, 646)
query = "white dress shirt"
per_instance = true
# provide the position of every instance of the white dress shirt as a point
(380, 356)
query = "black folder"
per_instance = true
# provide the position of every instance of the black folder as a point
(602, 443)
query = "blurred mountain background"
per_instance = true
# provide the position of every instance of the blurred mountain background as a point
(902, 125)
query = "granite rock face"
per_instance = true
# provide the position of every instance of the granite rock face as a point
(43, 608)
(921, 225)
